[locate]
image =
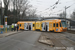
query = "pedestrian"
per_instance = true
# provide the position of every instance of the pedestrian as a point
(17, 27)
(12, 27)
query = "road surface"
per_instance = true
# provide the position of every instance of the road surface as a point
(28, 40)
(21, 41)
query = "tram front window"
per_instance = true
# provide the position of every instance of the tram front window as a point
(63, 24)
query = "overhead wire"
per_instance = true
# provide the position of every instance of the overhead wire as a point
(53, 7)
(61, 10)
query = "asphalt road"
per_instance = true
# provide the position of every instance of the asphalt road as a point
(28, 40)
(20, 41)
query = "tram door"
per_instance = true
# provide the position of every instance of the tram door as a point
(47, 26)
(51, 26)
(30, 26)
(43, 26)
(26, 27)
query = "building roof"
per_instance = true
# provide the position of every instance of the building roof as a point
(48, 18)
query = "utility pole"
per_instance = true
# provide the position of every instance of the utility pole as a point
(65, 16)
(65, 13)
(66, 9)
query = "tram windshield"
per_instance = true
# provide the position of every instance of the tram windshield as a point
(63, 24)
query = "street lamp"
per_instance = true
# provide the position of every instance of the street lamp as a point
(1, 11)
(0, 14)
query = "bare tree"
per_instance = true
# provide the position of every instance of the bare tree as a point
(73, 15)
(6, 4)
(21, 6)
(32, 12)
(25, 10)
(62, 15)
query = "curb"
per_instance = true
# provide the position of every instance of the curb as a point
(9, 34)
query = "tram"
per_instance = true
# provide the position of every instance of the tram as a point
(26, 25)
(55, 25)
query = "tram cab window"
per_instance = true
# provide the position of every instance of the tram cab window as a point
(33, 25)
(56, 24)
(64, 23)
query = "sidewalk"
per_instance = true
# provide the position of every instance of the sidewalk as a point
(9, 33)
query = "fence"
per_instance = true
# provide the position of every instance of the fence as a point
(71, 28)
(2, 28)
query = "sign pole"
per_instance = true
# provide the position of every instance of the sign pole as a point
(6, 24)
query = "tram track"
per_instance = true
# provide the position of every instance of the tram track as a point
(71, 31)
(59, 39)
(56, 41)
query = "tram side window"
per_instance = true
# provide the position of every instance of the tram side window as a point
(60, 25)
(20, 25)
(41, 25)
(33, 25)
(57, 25)
(54, 25)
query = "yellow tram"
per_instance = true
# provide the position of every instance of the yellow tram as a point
(26, 25)
(55, 25)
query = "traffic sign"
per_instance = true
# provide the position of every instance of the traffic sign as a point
(5, 23)
(5, 16)
(1, 26)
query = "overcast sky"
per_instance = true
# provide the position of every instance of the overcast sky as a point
(42, 5)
